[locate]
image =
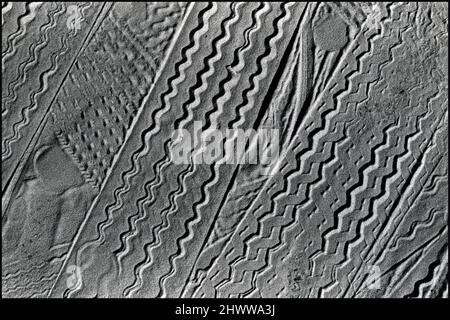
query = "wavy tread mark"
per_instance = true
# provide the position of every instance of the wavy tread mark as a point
(213, 57)
(296, 170)
(405, 268)
(408, 262)
(23, 21)
(208, 66)
(24, 282)
(235, 68)
(359, 225)
(25, 117)
(42, 121)
(298, 93)
(283, 249)
(263, 61)
(290, 227)
(264, 217)
(94, 165)
(261, 220)
(188, 225)
(294, 98)
(415, 227)
(141, 214)
(283, 156)
(439, 273)
(268, 54)
(277, 221)
(374, 177)
(419, 163)
(188, 233)
(425, 287)
(22, 271)
(102, 14)
(28, 285)
(208, 70)
(156, 233)
(369, 169)
(133, 170)
(145, 145)
(33, 56)
(361, 257)
(411, 173)
(386, 176)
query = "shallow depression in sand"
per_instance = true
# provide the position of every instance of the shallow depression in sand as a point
(56, 170)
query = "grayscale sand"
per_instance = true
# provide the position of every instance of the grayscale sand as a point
(93, 206)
